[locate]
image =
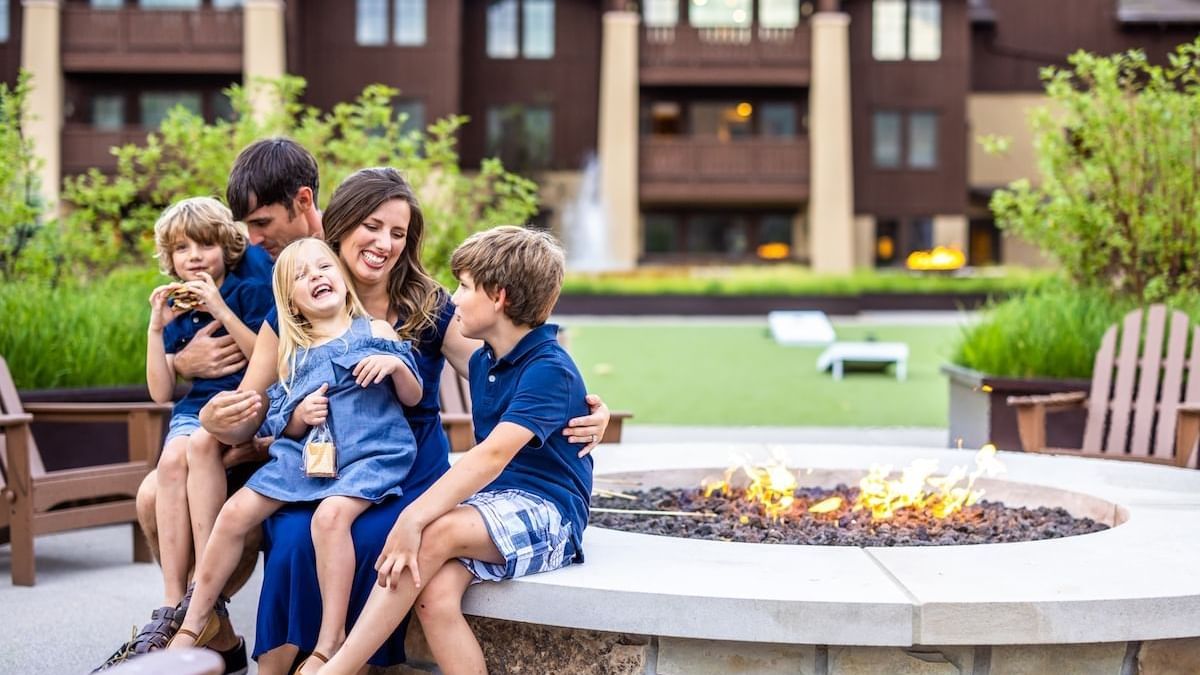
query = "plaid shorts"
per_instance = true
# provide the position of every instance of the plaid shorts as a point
(528, 531)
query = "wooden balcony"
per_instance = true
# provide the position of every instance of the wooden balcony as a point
(131, 39)
(726, 56)
(698, 171)
(84, 147)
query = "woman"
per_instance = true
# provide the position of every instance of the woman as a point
(375, 225)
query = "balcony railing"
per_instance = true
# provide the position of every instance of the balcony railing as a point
(711, 170)
(131, 39)
(684, 54)
(84, 147)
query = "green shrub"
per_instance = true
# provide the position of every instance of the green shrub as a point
(77, 335)
(1051, 333)
(21, 203)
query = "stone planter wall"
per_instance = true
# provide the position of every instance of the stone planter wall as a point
(512, 647)
(979, 412)
(750, 305)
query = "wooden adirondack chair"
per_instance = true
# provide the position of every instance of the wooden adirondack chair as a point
(455, 396)
(36, 501)
(1130, 416)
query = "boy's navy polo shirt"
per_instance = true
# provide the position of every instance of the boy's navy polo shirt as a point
(250, 300)
(538, 387)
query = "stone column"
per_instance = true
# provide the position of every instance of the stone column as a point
(618, 136)
(41, 55)
(263, 52)
(951, 230)
(831, 166)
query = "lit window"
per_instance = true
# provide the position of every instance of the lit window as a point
(925, 30)
(719, 13)
(887, 30)
(108, 112)
(409, 29)
(922, 140)
(886, 139)
(157, 104)
(502, 29)
(660, 13)
(724, 120)
(370, 22)
(537, 34)
(778, 13)
(906, 29)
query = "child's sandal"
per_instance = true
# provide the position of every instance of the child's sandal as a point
(315, 655)
(210, 630)
(184, 631)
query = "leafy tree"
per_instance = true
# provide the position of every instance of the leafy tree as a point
(1119, 152)
(21, 203)
(112, 219)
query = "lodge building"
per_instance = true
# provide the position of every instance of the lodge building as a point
(838, 133)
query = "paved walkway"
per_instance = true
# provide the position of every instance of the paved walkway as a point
(90, 594)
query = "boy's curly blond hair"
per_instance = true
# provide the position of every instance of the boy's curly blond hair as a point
(527, 264)
(203, 220)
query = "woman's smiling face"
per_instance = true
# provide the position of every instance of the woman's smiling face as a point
(372, 250)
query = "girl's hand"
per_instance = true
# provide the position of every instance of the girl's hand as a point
(373, 369)
(589, 429)
(160, 311)
(314, 409)
(399, 553)
(210, 296)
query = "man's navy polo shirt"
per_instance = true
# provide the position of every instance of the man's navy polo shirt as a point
(255, 265)
(250, 300)
(538, 387)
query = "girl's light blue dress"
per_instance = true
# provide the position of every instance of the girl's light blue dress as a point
(375, 445)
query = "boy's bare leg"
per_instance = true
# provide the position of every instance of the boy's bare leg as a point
(450, 638)
(205, 487)
(245, 511)
(171, 514)
(335, 568)
(459, 533)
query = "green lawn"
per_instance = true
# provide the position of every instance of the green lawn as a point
(696, 374)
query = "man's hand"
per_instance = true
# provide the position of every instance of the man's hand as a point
(208, 357)
(399, 552)
(253, 450)
(228, 410)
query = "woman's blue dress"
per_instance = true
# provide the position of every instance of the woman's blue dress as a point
(372, 457)
(289, 608)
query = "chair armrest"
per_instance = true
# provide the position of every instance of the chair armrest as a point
(616, 423)
(1187, 432)
(1031, 415)
(1051, 402)
(7, 421)
(145, 421)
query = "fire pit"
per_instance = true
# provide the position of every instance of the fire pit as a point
(1092, 603)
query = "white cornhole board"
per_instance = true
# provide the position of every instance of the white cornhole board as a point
(839, 355)
(801, 329)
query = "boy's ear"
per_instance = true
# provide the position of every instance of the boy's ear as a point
(500, 298)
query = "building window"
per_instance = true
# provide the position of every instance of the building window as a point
(663, 118)
(169, 4)
(896, 238)
(521, 136)
(983, 242)
(409, 28)
(662, 233)
(778, 120)
(660, 13)
(4, 28)
(106, 4)
(502, 29)
(108, 112)
(885, 139)
(892, 149)
(527, 33)
(155, 105)
(226, 4)
(723, 120)
(781, 14)
(537, 34)
(909, 29)
(370, 23)
(221, 106)
(412, 112)
(717, 234)
(723, 14)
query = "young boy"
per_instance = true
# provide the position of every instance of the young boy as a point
(517, 503)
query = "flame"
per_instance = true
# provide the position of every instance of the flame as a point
(772, 486)
(941, 258)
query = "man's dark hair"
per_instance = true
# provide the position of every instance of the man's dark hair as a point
(270, 171)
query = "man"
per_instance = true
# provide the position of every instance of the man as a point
(273, 189)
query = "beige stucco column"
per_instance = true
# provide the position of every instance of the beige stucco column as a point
(41, 55)
(618, 135)
(831, 166)
(263, 52)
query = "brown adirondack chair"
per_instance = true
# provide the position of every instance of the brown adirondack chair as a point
(455, 396)
(36, 501)
(1130, 416)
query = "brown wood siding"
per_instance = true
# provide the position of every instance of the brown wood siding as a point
(686, 170)
(131, 39)
(10, 52)
(1029, 34)
(322, 49)
(569, 83)
(911, 86)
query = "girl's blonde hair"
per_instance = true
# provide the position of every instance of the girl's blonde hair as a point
(204, 220)
(295, 331)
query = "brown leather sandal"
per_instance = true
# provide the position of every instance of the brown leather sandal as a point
(315, 655)
(210, 630)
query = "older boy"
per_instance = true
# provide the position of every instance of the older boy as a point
(515, 504)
